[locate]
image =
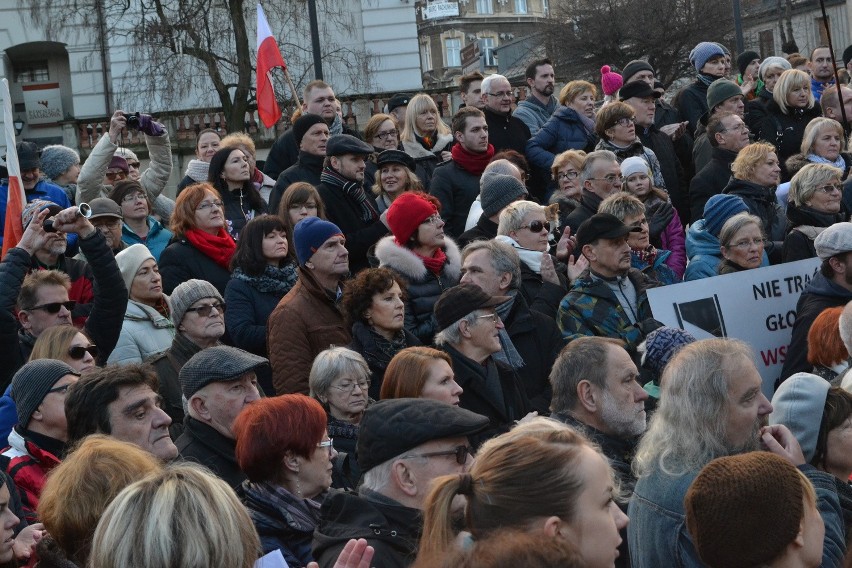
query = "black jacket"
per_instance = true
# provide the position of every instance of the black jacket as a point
(391, 528)
(181, 261)
(761, 201)
(691, 103)
(456, 189)
(285, 152)
(589, 203)
(676, 184)
(803, 226)
(167, 366)
(786, 130)
(484, 230)
(202, 444)
(710, 181)
(307, 168)
(755, 112)
(541, 296)
(364, 342)
(505, 132)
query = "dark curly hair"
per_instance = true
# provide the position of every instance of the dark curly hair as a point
(358, 293)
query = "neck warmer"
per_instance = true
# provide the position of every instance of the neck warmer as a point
(435, 263)
(219, 247)
(336, 127)
(353, 189)
(707, 79)
(531, 258)
(197, 170)
(273, 280)
(509, 354)
(470, 162)
(838, 163)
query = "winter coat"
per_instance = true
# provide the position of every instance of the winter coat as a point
(205, 445)
(821, 293)
(691, 103)
(676, 183)
(44, 189)
(346, 473)
(168, 366)
(425, 161)
(671, 239)
(589, 203)
(365, 343)
(144, 334)
(531, 112)
(659, 272)
(563, 131)
(760, 201)
(238, 210)
(181, 261)
(456, 189)
(308, 168)
(798, 161)
(804, 224)
(591, 309)
(541, 296)
(424, 287)
(703, 250)
(755, 112)
(711, 180)
(786, 130)
(247, 314)
(505, 132)
(156, 240)
(305, 322)
(636, 149)
(391, 528)
(484, 230)
(28, 464)
(285, 152)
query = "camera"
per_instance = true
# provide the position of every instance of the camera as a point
(132, 120)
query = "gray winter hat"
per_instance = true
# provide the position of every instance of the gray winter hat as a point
(189, 292)
(32, 382)
(799, 404)
(56, 159)
(221, 363)
(498, 191)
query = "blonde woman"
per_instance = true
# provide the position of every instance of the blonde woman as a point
(425, 137)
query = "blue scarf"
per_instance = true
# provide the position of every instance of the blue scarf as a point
(839, 163)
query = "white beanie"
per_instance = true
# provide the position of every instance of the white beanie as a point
(129, 260)
(634, 165)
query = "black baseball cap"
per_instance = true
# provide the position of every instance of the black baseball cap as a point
(602, 226)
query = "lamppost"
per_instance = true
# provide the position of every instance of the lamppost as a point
(315, 42)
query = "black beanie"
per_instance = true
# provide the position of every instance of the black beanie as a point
(745, 58)
(303, 124)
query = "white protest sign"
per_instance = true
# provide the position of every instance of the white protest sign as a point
(757, 306)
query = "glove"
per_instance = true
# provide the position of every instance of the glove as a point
(149, 126)
(661, 216)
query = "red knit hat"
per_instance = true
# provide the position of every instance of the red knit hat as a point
(407, 212)
(610, 81)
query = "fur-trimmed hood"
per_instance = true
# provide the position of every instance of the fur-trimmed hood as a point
(409, 264)
(416, 151)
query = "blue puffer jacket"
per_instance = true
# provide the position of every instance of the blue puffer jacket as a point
(564, 131)
(702, 249)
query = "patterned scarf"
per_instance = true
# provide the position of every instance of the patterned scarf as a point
(219, 247)
(428, 140)
(509, 354)
(336, 126)
(839, 163)
(648, 256)
(274, 280)
(353, 189)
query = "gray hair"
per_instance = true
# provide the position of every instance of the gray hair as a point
(504, 258)
(501, 166)
(688, 430)
(588, 171)
(584, 358)
(512, 217)
(846, 327)
(377, 477)
(486, 83)
(452, 335)
(806, 181)
(733, 225)
(332, 363)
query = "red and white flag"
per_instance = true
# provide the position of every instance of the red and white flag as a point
(15, 201)
(268, 58)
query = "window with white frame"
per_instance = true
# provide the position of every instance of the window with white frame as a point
(452, 49)
(425, 57)
(520, 6)
(485, 6)
(487, 46)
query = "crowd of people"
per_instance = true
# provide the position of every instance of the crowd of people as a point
(429, 343)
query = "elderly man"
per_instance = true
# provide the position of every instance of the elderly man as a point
(106, 217)
(711, 405)
(349, 203)
(37, 443)
(723, 97)
(217, 384)
(470, 334)
(495, 268)
(506, 132)
(403, 445)
(317, 98)
(120, 401)
(307, 320)
(600, 178)
(310, 133)
(609, 298)
(497, 191)
(538, 107)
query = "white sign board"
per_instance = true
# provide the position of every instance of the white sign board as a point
(757, 306)
(43, 103)
(435, 10)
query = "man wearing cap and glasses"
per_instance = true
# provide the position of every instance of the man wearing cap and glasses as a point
(609, 298)
(107, 218)
(403, 445)
(217, 384)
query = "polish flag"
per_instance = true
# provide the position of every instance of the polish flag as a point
(14, 228)
(268, 58)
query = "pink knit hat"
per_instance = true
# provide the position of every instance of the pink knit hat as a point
(610, 81)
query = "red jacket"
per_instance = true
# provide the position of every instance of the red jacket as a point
(28, 465)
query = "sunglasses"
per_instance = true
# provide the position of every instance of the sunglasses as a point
(205, 311)
(54, 307)
(460, 452)
(77, 352)
(536, 226)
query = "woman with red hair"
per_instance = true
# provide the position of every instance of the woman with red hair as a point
(284, 450)
(826, 351)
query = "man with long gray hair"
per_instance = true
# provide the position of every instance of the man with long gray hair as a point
(711, 405)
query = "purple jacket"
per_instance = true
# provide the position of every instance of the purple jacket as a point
(674, 240)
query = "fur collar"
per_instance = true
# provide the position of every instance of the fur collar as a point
(416, 151)
(409, 264)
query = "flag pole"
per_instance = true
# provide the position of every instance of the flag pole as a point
(292, 88)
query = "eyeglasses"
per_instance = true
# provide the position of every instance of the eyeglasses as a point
(460, 452)
(134, 165)
(611, 178)
(625, 121)
(433, 220)
(742, 245)
(116, 175)
(536, 226)
(130, 197)
(205, 205)
(741, 127)
(205, 311)
(61, 390)
(501, 95)
(830, 187)
(106, 223)
(54, 307)
(387, 134)
(328, 444)
(77, 352)
(493, 317)
(349, 386)
(568, 175)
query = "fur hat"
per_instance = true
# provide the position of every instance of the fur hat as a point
(57, 159)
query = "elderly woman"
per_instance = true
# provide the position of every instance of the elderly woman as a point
(230, 174)
(755, 174)
(826, 351)
(201, 247)
(425, 137)
(615, 126)
(286, 453)
(421, 372)
(242, 141)
(340, 380)
(742, 242)
(206, 144)
(395, 176)
(769, 71)
(374, 305)
(788, 113)
(565, 171)
(147, 330)
(572, 126)
(139, 226)
(821, 144)
(420, 252)
(815, 204)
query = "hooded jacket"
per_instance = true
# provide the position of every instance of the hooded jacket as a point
(144, 334)
(704, 254)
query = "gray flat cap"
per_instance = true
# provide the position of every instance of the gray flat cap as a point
(221, 363)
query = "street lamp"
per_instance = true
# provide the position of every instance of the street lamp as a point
(19, 126)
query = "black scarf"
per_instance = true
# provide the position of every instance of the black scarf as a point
(274, 280)
(353, 189)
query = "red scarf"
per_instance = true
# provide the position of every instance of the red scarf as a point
(435, 264)
(473, 163)
(219, 248)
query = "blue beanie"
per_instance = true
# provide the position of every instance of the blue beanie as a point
(309, 235)
(702, 52)
(719, 209)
